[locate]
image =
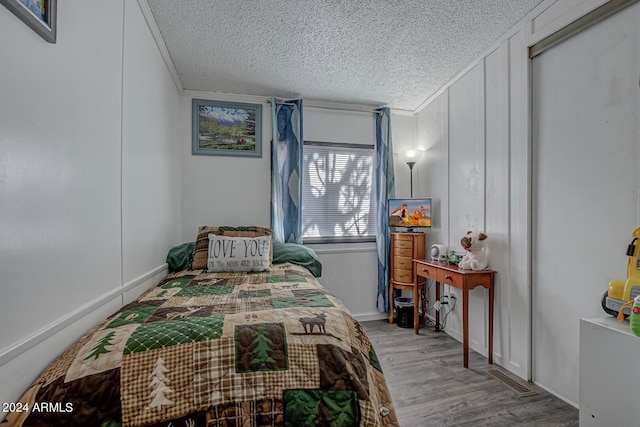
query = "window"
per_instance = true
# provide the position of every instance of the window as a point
(338, 202)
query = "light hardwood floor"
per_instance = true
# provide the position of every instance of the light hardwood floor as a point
(430, 387)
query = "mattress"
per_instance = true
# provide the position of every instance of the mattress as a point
(217, 349)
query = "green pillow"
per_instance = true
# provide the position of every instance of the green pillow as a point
(297, 254)
(181, 257)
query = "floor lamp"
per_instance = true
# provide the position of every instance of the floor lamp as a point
(411, 164)
(411, 157)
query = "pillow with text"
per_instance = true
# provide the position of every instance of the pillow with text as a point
(230, 254)
(201, 249)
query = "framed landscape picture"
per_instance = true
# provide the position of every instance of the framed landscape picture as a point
(40, 15)
(223, 128)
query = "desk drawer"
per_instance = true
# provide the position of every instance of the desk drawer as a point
(450, 278)
(426, 271)
(405, 276)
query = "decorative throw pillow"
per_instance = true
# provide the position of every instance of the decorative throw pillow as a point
(180, 257)
(201, 249)
(238, 253)
(297, 254)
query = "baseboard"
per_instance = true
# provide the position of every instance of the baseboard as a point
(564, 399)
(136, 287)
(75, 316)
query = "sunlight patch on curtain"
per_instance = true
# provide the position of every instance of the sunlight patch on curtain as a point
(286, 165)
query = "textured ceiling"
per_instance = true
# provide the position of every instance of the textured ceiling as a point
(375, 52)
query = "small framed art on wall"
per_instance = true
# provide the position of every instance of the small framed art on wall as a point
(221, 128)
(40, 15)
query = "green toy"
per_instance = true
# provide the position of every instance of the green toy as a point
(453, 258)
(635, 316)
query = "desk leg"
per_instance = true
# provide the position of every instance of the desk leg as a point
(490, 324)
(391, 304)
(416, 301)
(437, 311)
(423, 303)
(465, 326)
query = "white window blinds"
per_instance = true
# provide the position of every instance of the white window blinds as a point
(338, 192)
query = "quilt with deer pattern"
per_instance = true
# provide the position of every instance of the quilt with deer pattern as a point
(218, 349)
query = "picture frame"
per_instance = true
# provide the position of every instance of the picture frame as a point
(40, 15)
(221, 128)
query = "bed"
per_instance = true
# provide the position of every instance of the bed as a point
(224, 348)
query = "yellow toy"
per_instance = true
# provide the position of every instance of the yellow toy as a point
(623, 291)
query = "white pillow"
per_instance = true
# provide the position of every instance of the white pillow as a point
(238, 253)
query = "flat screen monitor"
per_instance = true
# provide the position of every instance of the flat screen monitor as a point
(410, 213)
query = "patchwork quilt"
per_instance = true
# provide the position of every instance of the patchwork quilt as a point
(217, 349)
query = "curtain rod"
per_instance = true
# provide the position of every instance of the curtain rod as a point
(282, 103)
(328, 108)
(345, 109)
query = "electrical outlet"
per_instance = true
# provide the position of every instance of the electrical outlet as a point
(453, 301)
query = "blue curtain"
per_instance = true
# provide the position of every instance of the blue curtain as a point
(286, 166)
(385, 189)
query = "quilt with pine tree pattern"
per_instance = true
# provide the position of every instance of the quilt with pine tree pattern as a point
(218, 349)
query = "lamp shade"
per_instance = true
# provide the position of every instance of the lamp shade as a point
(411, 155)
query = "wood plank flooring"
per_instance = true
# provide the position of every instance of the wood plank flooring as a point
(430, 387)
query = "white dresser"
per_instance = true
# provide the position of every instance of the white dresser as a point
(609, 389)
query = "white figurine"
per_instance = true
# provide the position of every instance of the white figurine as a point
(477, 252)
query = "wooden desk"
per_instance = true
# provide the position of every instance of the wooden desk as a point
(443, 272)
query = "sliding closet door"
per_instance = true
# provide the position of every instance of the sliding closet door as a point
(585, 185)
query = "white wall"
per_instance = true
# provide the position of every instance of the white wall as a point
(477, 167)
(465, 132)
(150, 155)
(69, 144)
(403, 136)
(224, 190)
(432, 170)
(467, 190)
(586, 181)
